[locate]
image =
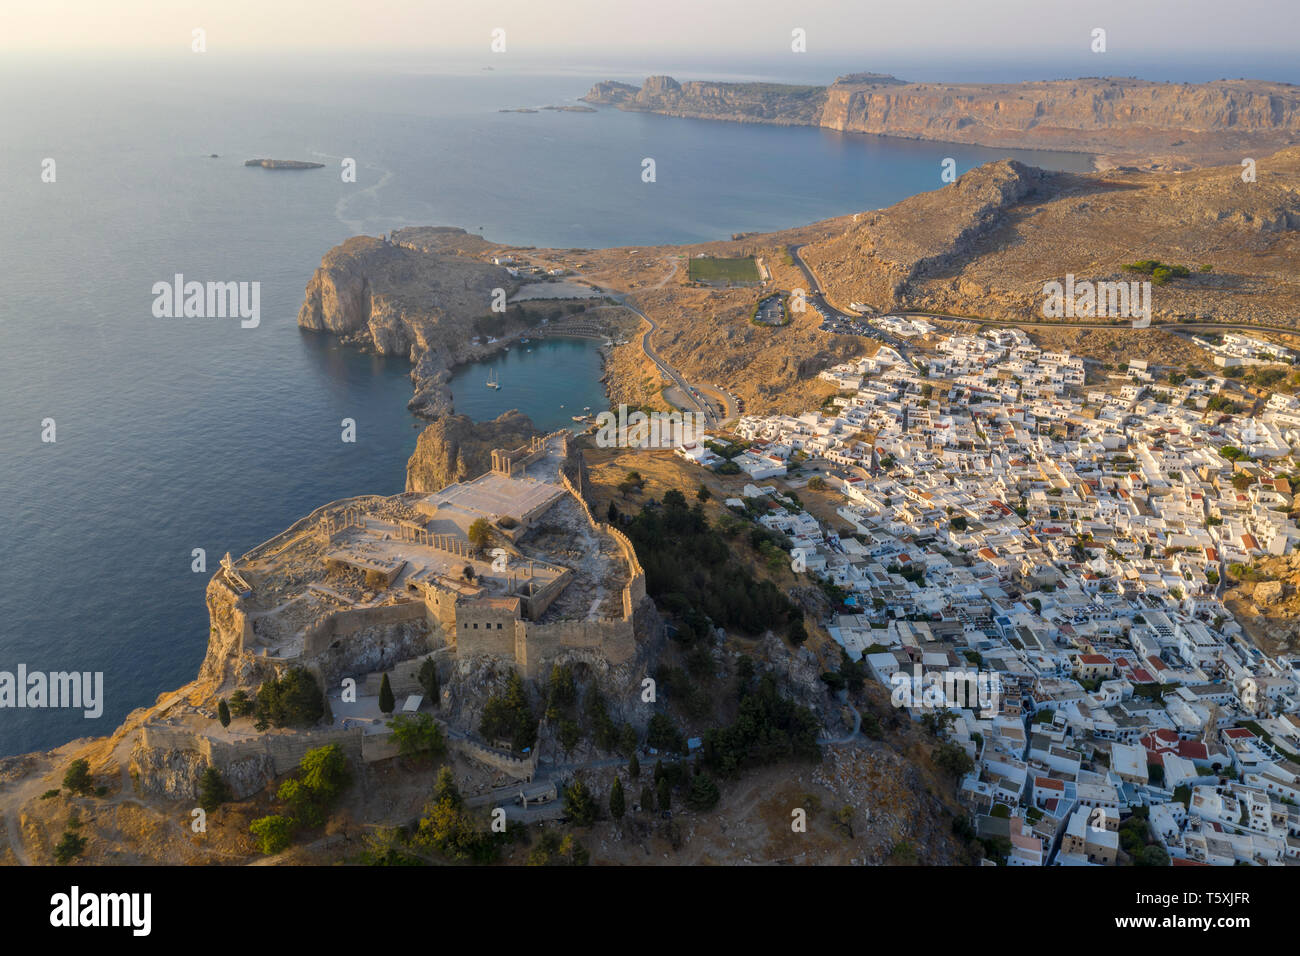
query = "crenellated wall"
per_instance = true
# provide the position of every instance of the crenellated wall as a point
(634, 590)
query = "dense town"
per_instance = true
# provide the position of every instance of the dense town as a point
(1002, 518)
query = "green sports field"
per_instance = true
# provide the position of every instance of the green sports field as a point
(724, 270)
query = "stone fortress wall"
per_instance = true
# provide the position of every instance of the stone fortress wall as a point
(507, 628)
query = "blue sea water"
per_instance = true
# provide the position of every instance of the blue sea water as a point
(178, 434)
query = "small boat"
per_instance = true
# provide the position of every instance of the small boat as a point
(523, 341)
(579, 418)
(492, 381)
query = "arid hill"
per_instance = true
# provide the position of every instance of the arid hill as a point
(1124, 120)
(985, 244)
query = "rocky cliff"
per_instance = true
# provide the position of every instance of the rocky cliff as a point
(416, 295)
(1124, 120)
(456, 448)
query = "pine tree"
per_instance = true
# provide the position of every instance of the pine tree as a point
(634, 767)
(386, 701)
(213, 791)
(665, 797)
(428, 678)
(617, 806)
(647, 800)
(223, 712)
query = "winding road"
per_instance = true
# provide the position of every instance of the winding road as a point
(690, 395)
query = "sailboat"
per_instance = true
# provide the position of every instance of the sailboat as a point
(492, 381)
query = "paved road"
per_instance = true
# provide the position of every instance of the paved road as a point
(690, 399)
(711, 419)
(818, 299)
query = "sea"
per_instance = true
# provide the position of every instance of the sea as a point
(136, 450)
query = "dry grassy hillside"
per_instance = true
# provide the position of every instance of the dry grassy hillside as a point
(986, 244)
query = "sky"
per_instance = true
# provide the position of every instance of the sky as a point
(1037, 29)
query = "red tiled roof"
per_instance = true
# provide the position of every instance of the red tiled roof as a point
(1193, 750)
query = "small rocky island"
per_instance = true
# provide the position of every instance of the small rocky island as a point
(283, 164)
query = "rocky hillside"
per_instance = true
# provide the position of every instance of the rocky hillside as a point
(774, 103)
(1122, 119)
(456, 448)
(1266, 602)
(985, 244)
(414, 296)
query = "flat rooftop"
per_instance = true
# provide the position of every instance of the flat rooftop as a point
(491, 495)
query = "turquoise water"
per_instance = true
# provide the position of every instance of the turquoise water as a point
(550, 384)
(176, 434)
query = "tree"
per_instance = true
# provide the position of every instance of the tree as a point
(627, 740)
(428, 678)
(467, 573)
(634, 767)
(562, 691)
(77, 779)
(662, 734)
(449, 828)
(663, 795)
(703, 494)
(554, 850)
(579, 804)
(797, 633)
(570, 734)
(617, 805)
(274, 833)
(386, 701)
(223, 712)
(69, 846)
(647, 799)
(817, 483)
(213, 791)
(292, 700)
(703, 794)
(444, 788)
(240, 704)
(418, 735)
(509, 716)
(612, 513)
(479, 533)
(325, 771)
(953, 760)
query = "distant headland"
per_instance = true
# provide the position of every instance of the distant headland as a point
(1125, 121)
(283, 164)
